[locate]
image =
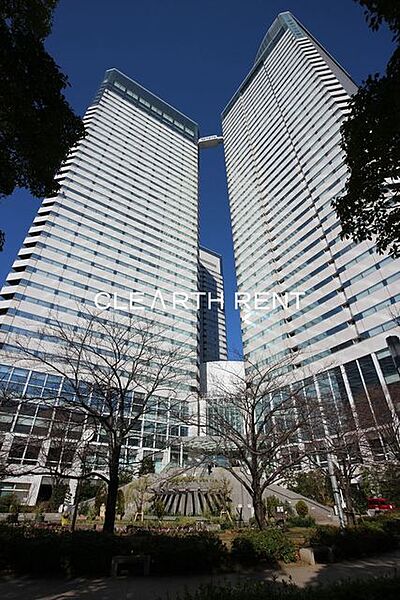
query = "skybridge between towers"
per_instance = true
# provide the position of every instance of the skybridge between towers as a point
(210, 141)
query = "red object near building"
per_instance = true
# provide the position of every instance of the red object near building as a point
(380, 504)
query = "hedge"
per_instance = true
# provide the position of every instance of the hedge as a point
(297, 521)
(365, 539)
(388, 522)
(381, 588)
(41, 552)
(270, 545)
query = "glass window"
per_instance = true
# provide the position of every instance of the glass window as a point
(359, 395)
(375, 391)
(28, 409)
(37, 378)
(4, 373)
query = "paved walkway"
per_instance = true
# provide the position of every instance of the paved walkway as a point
(301, 575)
(154, 588)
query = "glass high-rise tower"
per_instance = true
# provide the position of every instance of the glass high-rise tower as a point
(285, 165)
(124, 220)
(212, 313)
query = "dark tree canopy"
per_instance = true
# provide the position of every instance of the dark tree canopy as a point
(370, 207)
(377, 11)
(37, 125)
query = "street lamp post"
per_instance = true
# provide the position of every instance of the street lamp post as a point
(336, 492)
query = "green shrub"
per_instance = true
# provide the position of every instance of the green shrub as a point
(101, 498)
(307, 521)
(88, 490)
(58, 494)
(388, 522)
(84, 509)
(30, 551)
(226, 525)
(12, 518)
(354, 542)
(197, 552)
(324, 535)
(392, 526)
(272, 503)
(120, 508)
(158, 508)
(301, 508)
(9, 503)
(368, 589)
(44, 552)
(270, 545)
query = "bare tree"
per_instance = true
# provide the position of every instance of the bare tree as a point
(339, 446)
(138, 494)
(57, 445)
(390, 433)
(255, 424)
(112, 370)
(3, 461)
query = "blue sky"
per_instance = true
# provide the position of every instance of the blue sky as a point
(194, 54)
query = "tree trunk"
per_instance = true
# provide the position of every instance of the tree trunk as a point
(350, 512)
(259, 507)
(76, 505)
(112, 491)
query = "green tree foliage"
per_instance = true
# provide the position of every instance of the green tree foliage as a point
(37, 125)
(58, 494)
(301, 508)
(88, 489)
(101, 498)
(125, 476)
(158, 508)
(9, 503)
(377, 11)
(120, 503)
(390, 483)
(146, 466)
(313, 485)
(271, 505)
(370, 206)
(383, 481)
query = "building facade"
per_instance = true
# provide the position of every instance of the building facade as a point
(125, 220)
(284, 164)
(212, 312)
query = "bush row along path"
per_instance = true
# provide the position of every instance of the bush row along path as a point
(154, 588)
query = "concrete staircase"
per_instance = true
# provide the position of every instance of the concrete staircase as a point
(241, 498)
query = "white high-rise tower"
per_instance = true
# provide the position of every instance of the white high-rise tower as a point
(285, 165)
(124, 220)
